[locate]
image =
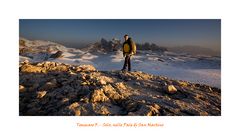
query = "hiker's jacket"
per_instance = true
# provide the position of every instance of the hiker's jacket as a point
(127, 47)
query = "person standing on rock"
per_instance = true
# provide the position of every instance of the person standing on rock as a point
(129, 49)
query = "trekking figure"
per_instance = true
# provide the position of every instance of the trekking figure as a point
(129, 49)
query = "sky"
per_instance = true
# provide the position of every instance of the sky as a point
(164, 32)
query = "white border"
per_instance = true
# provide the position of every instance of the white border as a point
(12, 10)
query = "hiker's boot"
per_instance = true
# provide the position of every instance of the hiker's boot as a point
(123, 70)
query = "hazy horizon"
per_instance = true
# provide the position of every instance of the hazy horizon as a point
(204, 33)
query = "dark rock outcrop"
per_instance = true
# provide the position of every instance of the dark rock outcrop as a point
(58, 54)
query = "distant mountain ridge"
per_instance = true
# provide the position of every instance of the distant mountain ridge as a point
(194, 50)
(116, 44)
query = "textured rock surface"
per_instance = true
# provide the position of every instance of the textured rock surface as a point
(50, 88)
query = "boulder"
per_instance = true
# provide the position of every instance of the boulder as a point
(112, 94)
(170, 89)
(41, 94)
(73, 105)
(102, 82)
(121, 85)
(99, 96)
(22, 88)
(30, 68)
(82, 68)
(101, 109)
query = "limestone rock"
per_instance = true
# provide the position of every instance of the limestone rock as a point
(112, 94)
(170, 89)
(51, 88)
(99, 96)
(22, 88)
(30, 68)
(41, 94)
(74, 105)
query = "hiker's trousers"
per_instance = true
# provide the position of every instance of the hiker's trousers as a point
(127, 63)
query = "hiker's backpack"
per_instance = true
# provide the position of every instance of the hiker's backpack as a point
(134, 47)
(126, 48)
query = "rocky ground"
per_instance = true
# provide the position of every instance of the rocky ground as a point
(50, 88)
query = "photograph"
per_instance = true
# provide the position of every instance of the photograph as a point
(119, 67)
